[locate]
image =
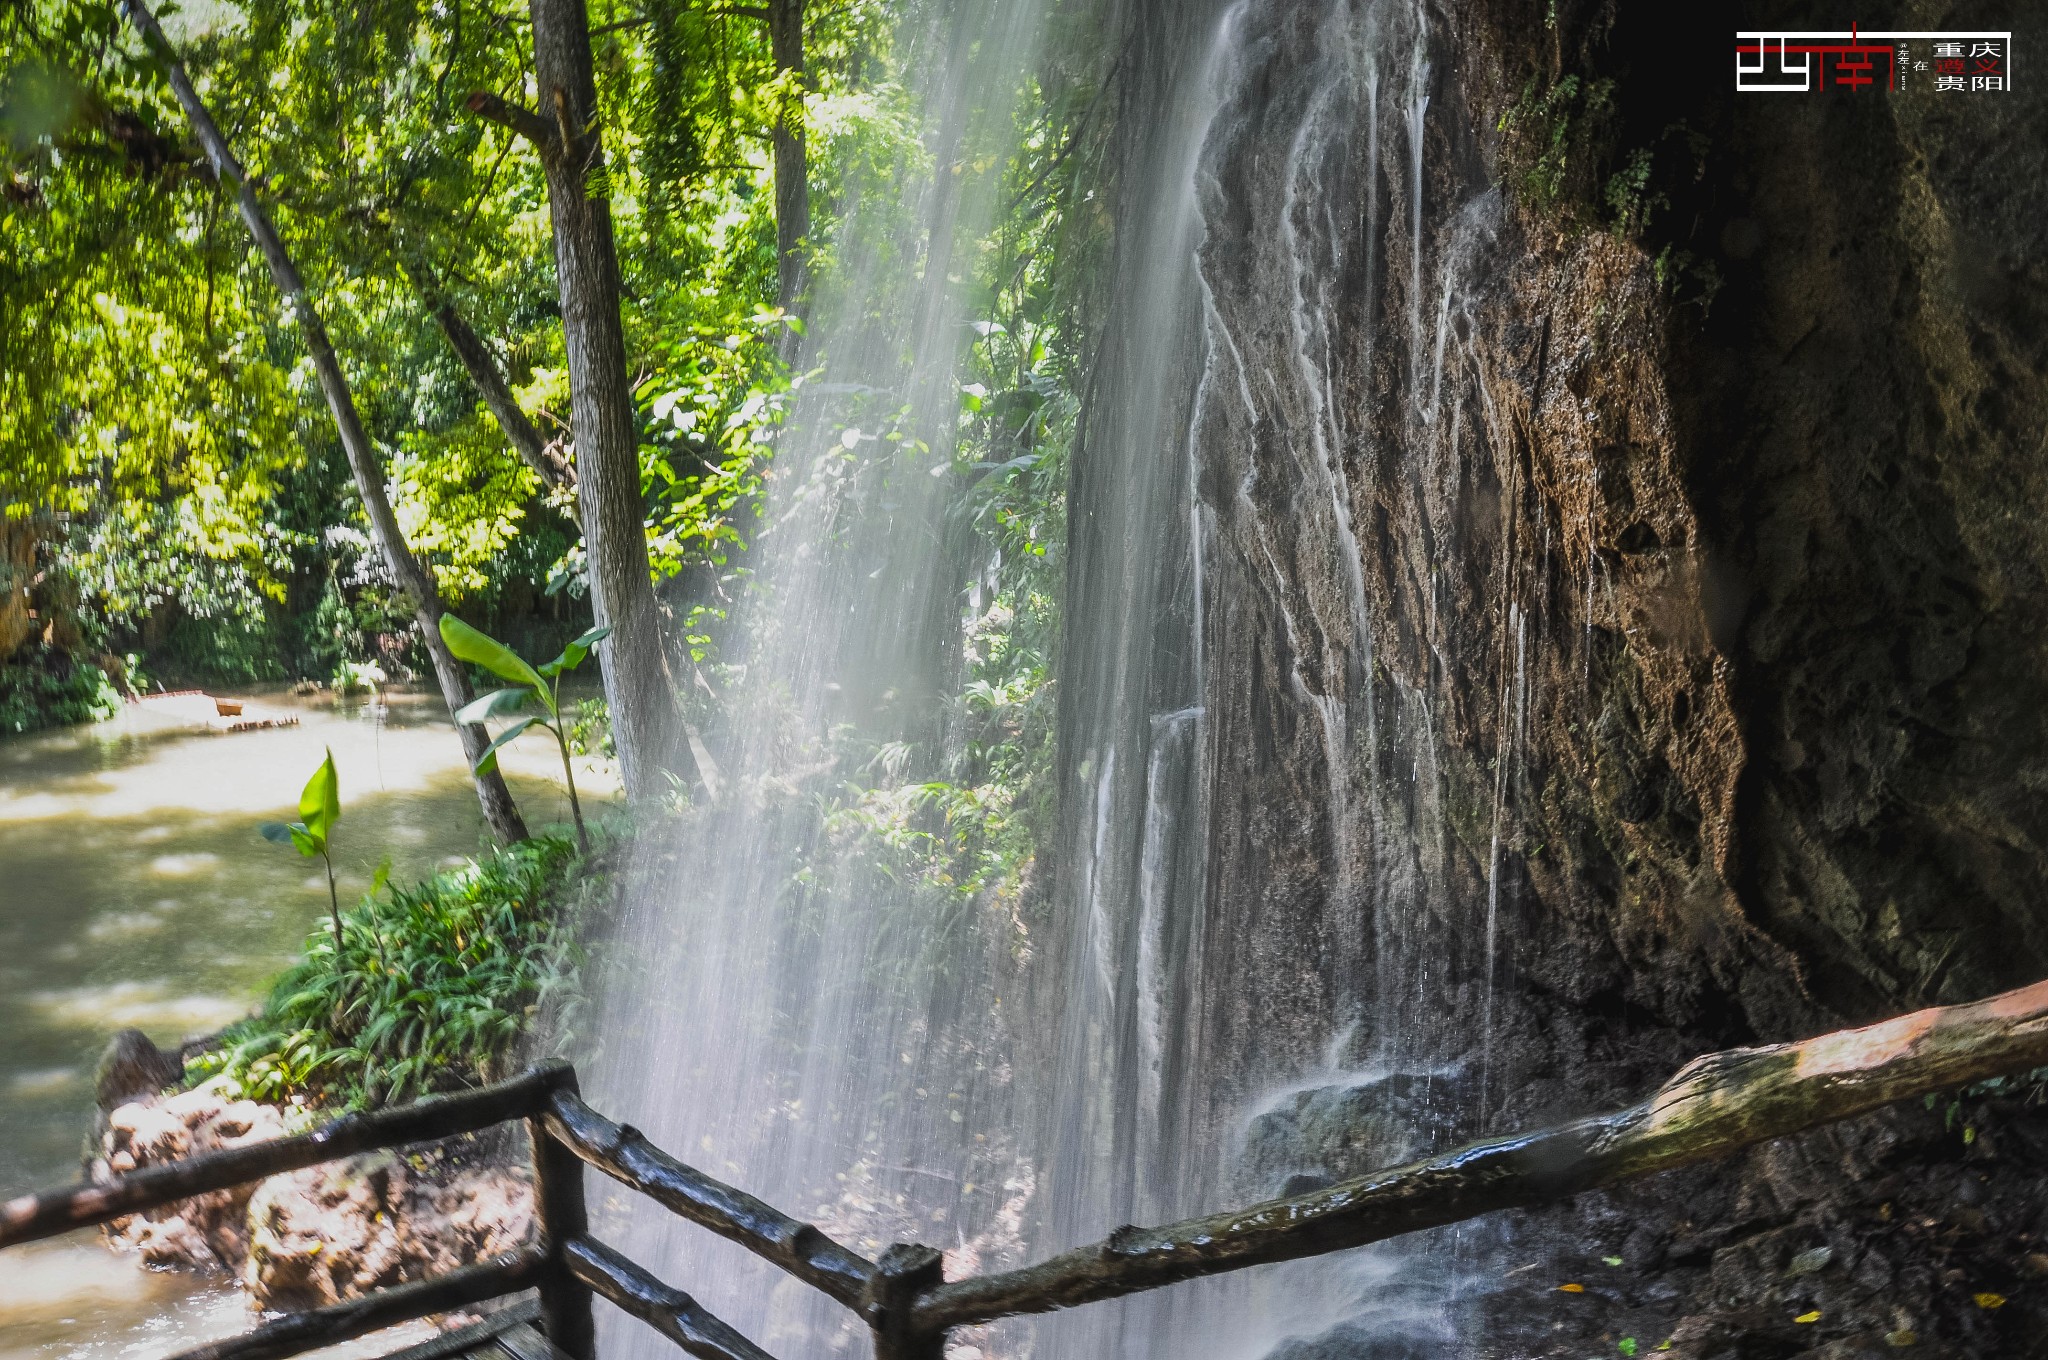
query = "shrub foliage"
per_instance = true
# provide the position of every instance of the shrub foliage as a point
(436, 985)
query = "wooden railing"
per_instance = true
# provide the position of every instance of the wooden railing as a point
(1715, 1105)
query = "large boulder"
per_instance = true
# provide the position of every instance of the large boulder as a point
(312, 1237)
(1306, 1139)
(340, 1230)
(133, 1068)
(205, 1232)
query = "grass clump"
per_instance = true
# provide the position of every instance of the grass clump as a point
(435, 986)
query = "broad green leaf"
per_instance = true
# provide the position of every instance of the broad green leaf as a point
(572, 655)
(481, 649)
(488, 761)
(497, 704)
(295, 834)
(320, 804)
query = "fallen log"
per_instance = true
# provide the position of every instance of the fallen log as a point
(1715, 1105)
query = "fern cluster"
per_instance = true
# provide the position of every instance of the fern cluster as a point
(437, 984)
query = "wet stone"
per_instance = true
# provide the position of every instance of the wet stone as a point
(1355, 1342)
(1319, 1136)
(131, 1067)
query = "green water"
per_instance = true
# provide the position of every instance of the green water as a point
(135, 890)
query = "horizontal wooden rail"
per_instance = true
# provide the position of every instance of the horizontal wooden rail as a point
(463, 1340)
(81, 1206)
(1715, 1105)
(296, 1333)
(669, 1311)
(621, 1152)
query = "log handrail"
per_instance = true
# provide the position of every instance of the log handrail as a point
(1714, 1106)
(623, 1153)
(669, 1311)
(32, 1217)
(296, 1333)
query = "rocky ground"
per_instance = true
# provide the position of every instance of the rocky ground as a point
(1914, 1231)
(312, 1237)
(1921, 1230)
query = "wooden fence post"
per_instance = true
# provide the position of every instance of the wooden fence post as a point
(890, 1306)
(565, 1301)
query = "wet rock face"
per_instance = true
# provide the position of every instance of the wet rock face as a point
(1666, 666)
(1477, 730)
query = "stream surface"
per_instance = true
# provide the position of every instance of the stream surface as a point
(135, 891)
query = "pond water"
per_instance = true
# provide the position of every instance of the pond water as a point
(135, 891)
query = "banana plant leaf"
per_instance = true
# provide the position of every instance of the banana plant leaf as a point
(320, 803)
(481, 649)
(488, 761)
(294, 834)
(573, 655)
(498, 703)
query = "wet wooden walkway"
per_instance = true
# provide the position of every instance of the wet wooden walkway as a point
(508, 1334)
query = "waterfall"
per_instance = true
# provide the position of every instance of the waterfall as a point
(772, 1007)
(1259, 929)
(1339, 958)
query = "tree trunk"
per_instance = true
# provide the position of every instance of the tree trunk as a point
(499, 810)
(792, 157)
(636, 676)
(526, 439)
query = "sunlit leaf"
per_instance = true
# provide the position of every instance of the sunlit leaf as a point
(481, 649)
(320, 802)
